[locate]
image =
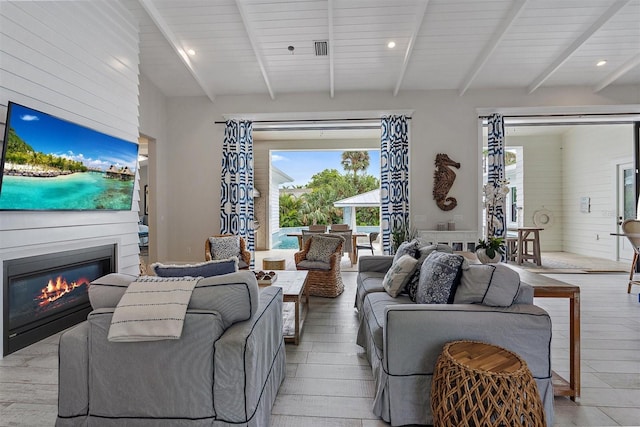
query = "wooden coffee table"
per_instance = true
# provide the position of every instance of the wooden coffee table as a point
(293, 284)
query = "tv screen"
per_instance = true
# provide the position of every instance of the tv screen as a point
(52, 164)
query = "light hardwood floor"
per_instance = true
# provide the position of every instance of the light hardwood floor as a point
(329, 381)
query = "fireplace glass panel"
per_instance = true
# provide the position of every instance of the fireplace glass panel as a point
(46, 294)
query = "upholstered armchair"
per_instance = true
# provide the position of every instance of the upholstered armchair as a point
(321, 257)
(221, 246)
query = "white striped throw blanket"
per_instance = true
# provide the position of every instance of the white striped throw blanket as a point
(152, 309)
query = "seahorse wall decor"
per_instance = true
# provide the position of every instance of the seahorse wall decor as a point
(443, 178)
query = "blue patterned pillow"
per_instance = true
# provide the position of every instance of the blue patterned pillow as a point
(203, 269)
(439, 277)
(412, 285)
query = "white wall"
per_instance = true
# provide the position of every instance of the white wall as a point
(589, 155)
(442, 122)
(77, 61)
(153, 124)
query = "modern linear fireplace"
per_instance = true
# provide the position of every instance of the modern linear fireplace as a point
(45, 294)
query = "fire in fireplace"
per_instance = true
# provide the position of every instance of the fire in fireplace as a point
(46, 294)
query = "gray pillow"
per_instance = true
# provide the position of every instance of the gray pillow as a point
(224, 247)
(439, 277)
(203, 269)
(407, 248)
(490, 284)
(322, 247)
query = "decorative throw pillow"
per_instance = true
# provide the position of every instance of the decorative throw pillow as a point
(203, 269)
(439, 276)
(489, 284)
(423, 253)
(407, 248)
(398, 275)
(224, 247)
(322, 247)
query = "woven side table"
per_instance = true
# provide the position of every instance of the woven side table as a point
(273, 264)
(478, 384)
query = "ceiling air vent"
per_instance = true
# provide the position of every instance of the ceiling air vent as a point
(321, 47)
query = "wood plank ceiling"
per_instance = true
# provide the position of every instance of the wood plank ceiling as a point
(241, 46)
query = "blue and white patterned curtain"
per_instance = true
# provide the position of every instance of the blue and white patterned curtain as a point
(496, 174)
(236, 184)
(394, 177)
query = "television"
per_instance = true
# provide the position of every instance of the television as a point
(52, 164)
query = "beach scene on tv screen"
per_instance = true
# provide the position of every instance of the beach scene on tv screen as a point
(53, 164)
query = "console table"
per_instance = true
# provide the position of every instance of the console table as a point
(546, 287)
(459, 240)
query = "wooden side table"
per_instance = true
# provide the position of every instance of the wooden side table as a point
(478, 384)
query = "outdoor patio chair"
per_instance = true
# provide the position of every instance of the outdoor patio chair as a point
(347, 247)
(320, 228)
(340, 227)
(244, 256)
(372, 238)
(631, 229)
(306, 235)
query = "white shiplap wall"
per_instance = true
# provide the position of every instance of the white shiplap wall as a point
(589, 155)
(541, 163)
(77, 61)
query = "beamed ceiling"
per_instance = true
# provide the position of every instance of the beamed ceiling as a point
(241, 46)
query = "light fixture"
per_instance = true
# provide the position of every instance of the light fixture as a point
(601, 63)
(191, 52)
(391, 44)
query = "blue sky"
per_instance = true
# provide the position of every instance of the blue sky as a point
(302, 165)
(51, 135)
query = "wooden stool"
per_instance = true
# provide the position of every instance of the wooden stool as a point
(273, 264)
(478, 384)
(512, 248)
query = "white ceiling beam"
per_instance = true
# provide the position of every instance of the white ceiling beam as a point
(331, 67)
(631, 63)
(175, 44)
(420, 12)
(492, 44)
(564, 56)
(254, 44)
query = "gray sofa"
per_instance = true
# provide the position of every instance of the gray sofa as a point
(403, 339)
(225, 369)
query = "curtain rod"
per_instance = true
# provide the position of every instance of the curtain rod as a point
(309, 120)
(516, 116)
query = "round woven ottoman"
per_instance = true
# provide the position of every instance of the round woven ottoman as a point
(273, 264)
(478, 384)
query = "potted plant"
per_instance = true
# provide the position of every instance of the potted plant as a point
(490, 250)
(402, 233)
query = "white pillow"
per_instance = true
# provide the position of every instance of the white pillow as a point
(399, 274)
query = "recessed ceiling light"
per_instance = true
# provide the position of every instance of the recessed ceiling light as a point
(601, 63)
(391, 45)
(191, 52)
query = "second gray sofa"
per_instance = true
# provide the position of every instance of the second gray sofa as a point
(403, 339)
